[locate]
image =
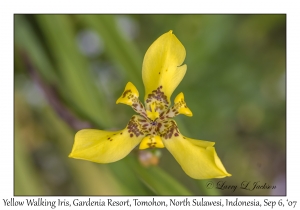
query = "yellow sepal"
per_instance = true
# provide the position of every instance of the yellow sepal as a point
(128, 94)
(162, 65)
(151, 142)
(103, 146)
(197, 158)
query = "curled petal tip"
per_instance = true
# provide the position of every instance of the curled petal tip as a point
(187, 112)
(223, 176)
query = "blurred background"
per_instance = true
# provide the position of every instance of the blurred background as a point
(70, 69)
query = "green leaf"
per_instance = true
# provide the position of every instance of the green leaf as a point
(128, 179)
(73, 68)
(157, 179)
(27, 180)
(27, 42)
(121, 51)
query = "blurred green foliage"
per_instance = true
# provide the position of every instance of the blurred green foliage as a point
(235, 86)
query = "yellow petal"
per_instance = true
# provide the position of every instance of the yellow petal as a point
(129, 95)
(151, 141)
(162, 70)
(197, 158)
(180, 105)
(105, 146)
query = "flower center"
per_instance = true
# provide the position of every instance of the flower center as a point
(154, 121)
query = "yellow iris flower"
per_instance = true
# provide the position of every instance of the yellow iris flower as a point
(153, 127)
